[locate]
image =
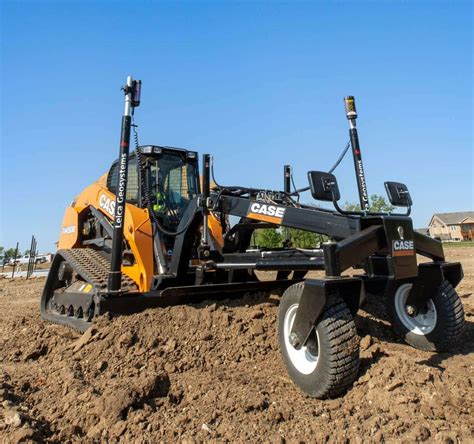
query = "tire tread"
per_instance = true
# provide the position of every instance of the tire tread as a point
(342, 364)
(450, 309)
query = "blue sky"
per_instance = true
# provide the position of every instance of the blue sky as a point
(257, 84)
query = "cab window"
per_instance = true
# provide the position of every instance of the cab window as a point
(173, 181)
(132, 184)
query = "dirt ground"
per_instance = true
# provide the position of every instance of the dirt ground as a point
(214, 372)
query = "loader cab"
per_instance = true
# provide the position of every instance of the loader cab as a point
(171, 176)
(172, 181)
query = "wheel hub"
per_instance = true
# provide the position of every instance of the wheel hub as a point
(421, 323)
(305, 359)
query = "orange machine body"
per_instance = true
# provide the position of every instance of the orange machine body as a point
(137, 230)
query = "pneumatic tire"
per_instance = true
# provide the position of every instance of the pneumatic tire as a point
(437, 327)
(328, 365)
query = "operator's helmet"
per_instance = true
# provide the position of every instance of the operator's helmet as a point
(159, 207)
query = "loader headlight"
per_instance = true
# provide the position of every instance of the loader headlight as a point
(150, 149)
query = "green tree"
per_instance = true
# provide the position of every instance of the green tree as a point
(303, 239)
(268, 238)
(378, 204)
(273, 238)
(10, 253)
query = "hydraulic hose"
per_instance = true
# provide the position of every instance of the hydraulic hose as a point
(344, 152)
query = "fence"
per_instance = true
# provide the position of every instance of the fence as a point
(18, 261)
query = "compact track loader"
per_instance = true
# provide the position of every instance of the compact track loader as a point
(155, 231)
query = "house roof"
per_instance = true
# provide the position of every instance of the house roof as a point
(453, 218)
(424, 231)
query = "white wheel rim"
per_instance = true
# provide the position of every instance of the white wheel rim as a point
(303, 360)
(421, 324)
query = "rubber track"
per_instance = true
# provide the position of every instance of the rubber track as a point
(78, 325)
(94, 269)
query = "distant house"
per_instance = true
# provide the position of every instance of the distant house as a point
(452, 226)
(425, 231)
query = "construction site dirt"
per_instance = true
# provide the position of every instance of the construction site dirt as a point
(213, 371)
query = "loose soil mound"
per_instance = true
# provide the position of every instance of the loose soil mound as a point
(213, 371)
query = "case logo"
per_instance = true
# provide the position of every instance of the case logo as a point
(107, 204)
(265, 212)
(70, 229)
(403, 248)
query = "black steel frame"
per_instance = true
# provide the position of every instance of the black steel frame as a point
(383, 245)
(365, 240)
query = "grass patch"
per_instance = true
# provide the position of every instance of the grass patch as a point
(458, 244)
